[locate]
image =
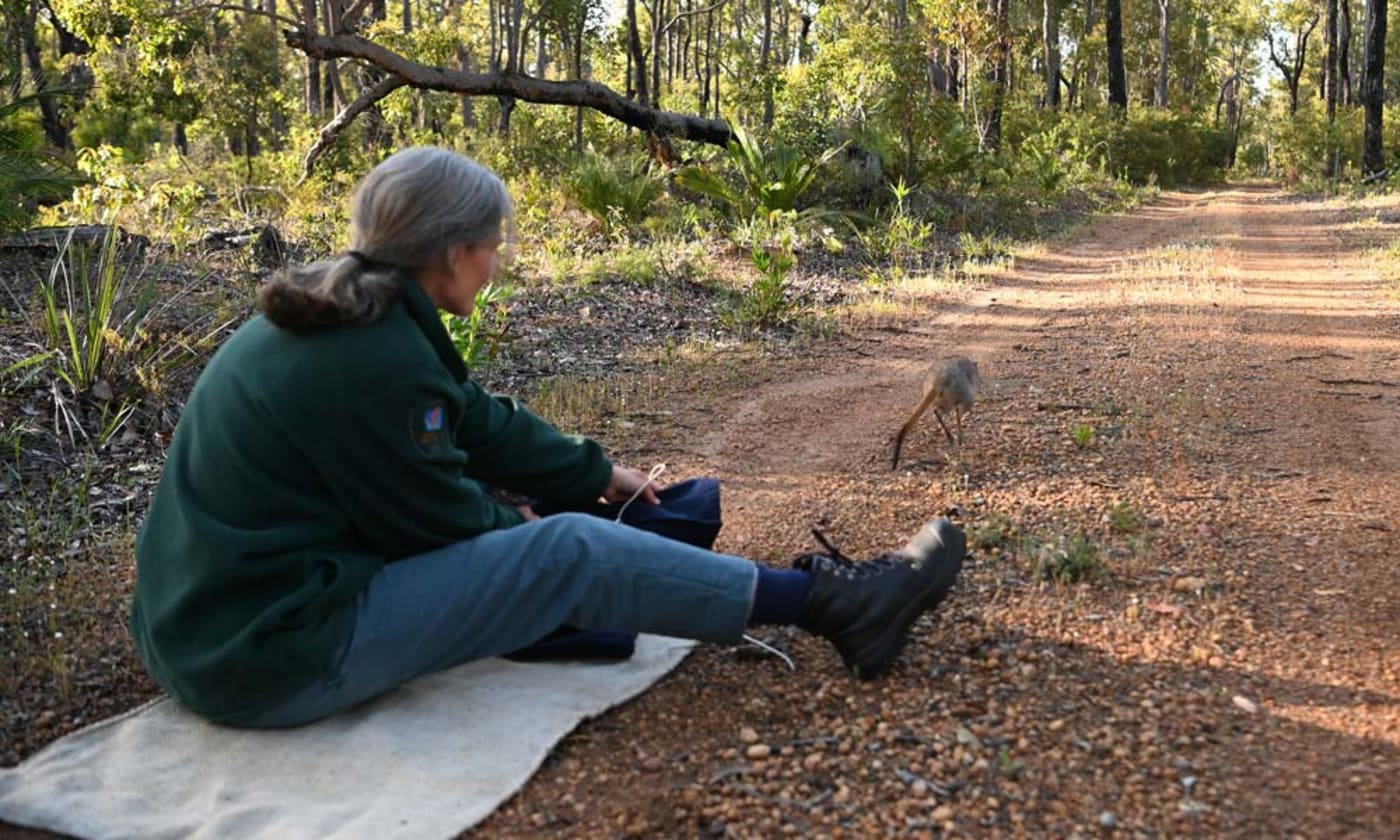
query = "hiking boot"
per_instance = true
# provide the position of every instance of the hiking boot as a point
(865, 609)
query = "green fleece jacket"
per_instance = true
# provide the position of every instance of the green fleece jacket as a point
(304, 462)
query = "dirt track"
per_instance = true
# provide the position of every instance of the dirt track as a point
(1230, 363)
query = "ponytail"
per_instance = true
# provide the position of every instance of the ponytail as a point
(343, 290)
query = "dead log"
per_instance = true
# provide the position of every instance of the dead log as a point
(578, 93)
(55, 239)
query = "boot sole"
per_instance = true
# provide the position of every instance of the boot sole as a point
(878, 656)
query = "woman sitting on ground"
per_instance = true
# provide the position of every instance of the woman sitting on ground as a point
(322, 532)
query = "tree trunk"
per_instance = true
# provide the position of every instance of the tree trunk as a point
(1329, 62)
(1000, 77)
(1345, 96)
(765, 57)
(334, 89)
(1079, 50)
(541, 52)
(1292, 66)
(1117, 74)
(636, 57)
(407, 16)
(49, 115)
(1050, 31)
(578, 34)
(68, 43)
(1373, 86)
(1163, 53)
(312, 97)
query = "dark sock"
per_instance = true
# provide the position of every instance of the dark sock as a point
(779, 596)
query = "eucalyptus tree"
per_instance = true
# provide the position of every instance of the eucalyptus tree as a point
(1373, 88)
(1117, 72)
(1299, 19)
(1050, 46)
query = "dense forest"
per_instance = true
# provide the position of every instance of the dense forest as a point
(637, 137)
(741, 230)
(134, 96)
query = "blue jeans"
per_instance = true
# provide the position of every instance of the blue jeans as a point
(507, 589)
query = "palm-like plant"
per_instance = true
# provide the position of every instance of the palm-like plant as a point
(771, 181)
(27, 173)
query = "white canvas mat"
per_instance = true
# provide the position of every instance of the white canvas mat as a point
(429, 760)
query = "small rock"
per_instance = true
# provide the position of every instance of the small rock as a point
(653, 764)
(1108, 819)
(758, 751)
(942, 813)
(1245, 703)
(748, 735)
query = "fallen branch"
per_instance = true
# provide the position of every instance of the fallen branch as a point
(577, 92)
(1382, 383)
(331, 130)
(1316, 356)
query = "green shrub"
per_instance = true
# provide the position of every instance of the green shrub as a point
(1071, 560)
(106, 341)
(478, 337)
(1150, 146)
(618, 195)
(1306, 147)
(28, 175)
(769, 181)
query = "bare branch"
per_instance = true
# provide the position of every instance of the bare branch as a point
(331, 130)
(588, 94)
(692, 13)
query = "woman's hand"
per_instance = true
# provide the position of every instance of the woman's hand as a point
(625, 482)
(528, 512)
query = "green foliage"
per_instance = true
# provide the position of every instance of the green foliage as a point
(1083, 435)
(618, 195)
(1125, 518)
(1071, 560)
(770, 181)
(1308, 150)
(951, 159)
(28, 174)
(478, 337)
(1162, 147)
(898, 236)
(102, 337)
(765, 302)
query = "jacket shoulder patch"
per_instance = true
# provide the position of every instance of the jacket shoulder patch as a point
(427, 425)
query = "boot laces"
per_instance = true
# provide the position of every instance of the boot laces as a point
(841, 565)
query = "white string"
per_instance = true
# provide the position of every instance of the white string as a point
(655, 473)
(760, 643)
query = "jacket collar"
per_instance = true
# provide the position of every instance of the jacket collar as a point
(424, 313)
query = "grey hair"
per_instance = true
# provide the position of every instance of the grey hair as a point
(406, 215)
